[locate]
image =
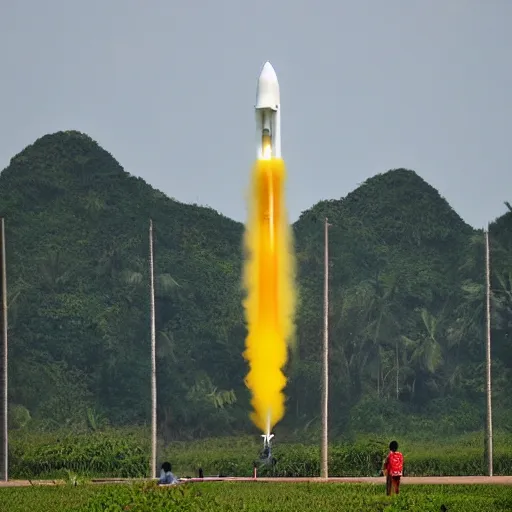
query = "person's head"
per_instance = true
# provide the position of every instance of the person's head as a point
(166, 466)
(393, 446)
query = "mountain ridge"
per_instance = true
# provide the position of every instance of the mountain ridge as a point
(90, 144)
(77, 228)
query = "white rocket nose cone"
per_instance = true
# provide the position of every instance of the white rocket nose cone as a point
(267, 95)
(268, 73)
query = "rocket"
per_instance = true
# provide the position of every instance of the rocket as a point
(269, 266)
(268, 115)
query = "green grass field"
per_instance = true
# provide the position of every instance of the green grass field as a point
(125, 453)
(254, 497)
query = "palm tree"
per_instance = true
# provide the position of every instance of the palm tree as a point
(165, 347)
(425, 354)
(382, 325)
(53, 271)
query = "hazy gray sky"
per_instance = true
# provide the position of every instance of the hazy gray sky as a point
(168, 87)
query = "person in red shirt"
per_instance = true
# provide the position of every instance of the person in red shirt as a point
(393, 468)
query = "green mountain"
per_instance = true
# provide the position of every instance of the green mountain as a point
(77, 231)
(406, 301)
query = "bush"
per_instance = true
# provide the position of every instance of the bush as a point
(107, 453)
(118, 453)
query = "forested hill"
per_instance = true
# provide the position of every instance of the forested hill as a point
(406, 310)
(77, 230)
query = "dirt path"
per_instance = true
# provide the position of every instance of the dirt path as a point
(29, 483)
(411, 480)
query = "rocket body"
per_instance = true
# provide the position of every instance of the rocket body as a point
(268, 115)
(269, 267)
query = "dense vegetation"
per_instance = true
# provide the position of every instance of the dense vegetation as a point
(124, 453)
(256, 497)
(406, 311)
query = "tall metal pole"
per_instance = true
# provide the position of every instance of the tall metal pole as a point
(325, 390)
(3, 297)
(153, 353)
(488, 353)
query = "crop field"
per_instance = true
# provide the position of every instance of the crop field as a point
(125, 453)
(254, 497)
(76, 458)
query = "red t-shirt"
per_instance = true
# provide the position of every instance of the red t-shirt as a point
(395, 464)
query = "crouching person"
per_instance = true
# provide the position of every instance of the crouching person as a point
(166, 475)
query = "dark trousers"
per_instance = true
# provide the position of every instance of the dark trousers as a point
(392, 482)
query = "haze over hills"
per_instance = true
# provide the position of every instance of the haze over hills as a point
(406, 315)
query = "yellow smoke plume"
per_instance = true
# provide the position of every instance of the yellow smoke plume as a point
(269, 274)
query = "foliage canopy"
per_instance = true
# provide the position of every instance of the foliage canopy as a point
(406, 312)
